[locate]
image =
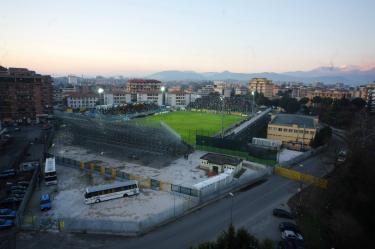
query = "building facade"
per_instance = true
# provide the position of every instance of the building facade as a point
(24, 95)
(178, 99)
(116, 98)
(143, 86)
(294, 131)
(333, 94)
(218, 163)
(206, 90)
(82, 101)
(261, 85)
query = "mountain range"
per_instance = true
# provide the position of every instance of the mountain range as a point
(350, 75)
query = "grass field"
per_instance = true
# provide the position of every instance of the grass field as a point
(187, 123)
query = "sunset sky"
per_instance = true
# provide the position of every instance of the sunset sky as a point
(140, 37)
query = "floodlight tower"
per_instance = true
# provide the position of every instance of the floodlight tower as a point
(100, 91)
(222, 116)
(162, 90)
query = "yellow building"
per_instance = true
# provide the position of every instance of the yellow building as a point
(295, 131)
(261, 85)
(334, 94)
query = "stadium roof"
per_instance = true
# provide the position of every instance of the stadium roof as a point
(220, 159)
(292, 119)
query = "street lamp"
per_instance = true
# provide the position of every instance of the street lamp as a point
(252, 106)
(231, 207)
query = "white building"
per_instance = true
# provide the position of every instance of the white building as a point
(219, 163)
(117, 98)
(156, 98)
(78, 101)
(72, 80)
(240, 91)
(206, 90)
(178, 99)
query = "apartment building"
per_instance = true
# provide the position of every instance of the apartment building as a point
(116, 98)
(82, 101)
(24, 95)
(327, 93)
(178, 99)
(261, 85)
(135, 86)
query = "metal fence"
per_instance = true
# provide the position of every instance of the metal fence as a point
(125, 227)
(192, 199)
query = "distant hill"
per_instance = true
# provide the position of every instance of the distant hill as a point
(330, 75)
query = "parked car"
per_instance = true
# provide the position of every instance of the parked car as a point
(341, 157)
(4, 223)
(282, 213)
(11, 200)
(6, 213)
(19, 196)
(288, 226)
(7, 173)
(28, 166)
(287, 234)
(45, 202)
(23, 183)
(17, 192)
(17, 187)
(285, 244)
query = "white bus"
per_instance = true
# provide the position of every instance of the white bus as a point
(107, 192)
(50, 177)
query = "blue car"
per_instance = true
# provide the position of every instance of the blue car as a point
(6, 213)
(4, 223)
(45, 202)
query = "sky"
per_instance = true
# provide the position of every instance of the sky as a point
(138, 37)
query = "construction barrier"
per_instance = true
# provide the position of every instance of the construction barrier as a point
(298, 176)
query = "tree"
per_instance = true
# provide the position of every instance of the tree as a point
(231, 239)
(292, 106)
(322, 137)
(359, 103)
(317, 100)
(304, 101)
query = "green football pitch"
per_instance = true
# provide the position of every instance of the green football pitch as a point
(188, 124)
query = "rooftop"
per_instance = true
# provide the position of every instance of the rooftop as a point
(221, 159)
(292, 119)
(142, 81)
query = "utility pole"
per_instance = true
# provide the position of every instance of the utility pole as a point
(222, 116)
(252, 106)
(231, 208)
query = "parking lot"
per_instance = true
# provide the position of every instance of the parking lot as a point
(68, 202)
